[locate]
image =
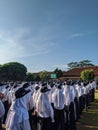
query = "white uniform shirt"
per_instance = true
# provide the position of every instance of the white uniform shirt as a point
(2, 110)
(43, 106)
(69, 96)
(35, 96)
(2, 88)
(58, 99)
(29, 101)
(5, 92)
(17, 113)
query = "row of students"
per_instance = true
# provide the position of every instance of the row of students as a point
(44, 107)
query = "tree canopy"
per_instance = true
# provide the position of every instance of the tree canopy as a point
(32, 77)
(13, 71)
(58, 72)
(83, 63)
(87, 75)
(44, 75)
(29, 77)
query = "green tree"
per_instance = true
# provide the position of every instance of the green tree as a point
(72, 65)
(87, 75)
(58, 72)
(30, 77)
(83, 63)
(37, 77)
(13, 71)
(44, 75)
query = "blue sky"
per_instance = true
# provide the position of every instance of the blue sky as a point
(48, 34)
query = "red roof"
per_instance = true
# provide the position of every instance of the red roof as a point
(76, 71)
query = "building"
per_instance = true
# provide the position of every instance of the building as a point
(76, 72)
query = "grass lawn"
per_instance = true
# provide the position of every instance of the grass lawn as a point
(89, 120)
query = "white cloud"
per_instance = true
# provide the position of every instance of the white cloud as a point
(75, 35)
(21, 43)
(61, 66)
(81, 34)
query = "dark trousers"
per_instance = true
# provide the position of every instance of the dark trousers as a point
(77, 108)
(93, 94)
(6, 106)
(59, 119)
(45, 123)
(30, 119)
(80, 105)
(67, 117)
(72, 123)
(0, 124)
(34, 122)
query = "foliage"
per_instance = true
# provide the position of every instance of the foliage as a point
(29, 77)
(83, 63)
(32, 77)
(58, 72)
(87, 75)
(44, 75)
(13, 71)
(37, 77)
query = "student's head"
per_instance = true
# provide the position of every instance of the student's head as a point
(20, 93)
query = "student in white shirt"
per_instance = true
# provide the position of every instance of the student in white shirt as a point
(58, 101)
(44, 110)
(2, 111)
(18, 118)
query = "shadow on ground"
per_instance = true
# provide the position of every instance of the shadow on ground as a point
(89, 119)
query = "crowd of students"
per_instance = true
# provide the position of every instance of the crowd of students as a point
(51, 105)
